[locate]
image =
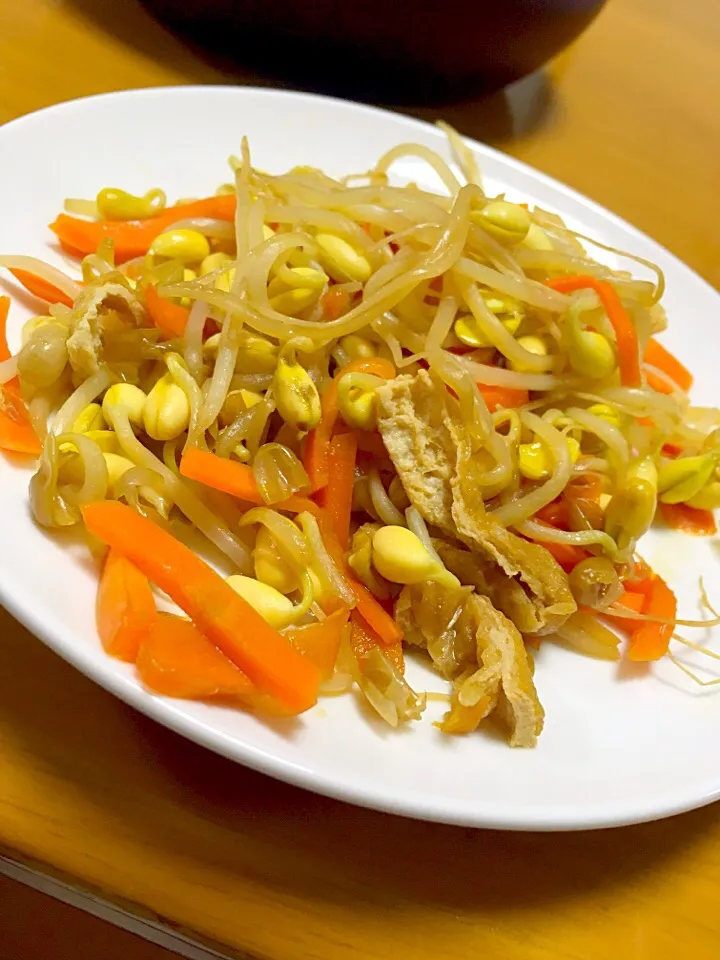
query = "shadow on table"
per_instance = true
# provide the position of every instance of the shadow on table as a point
(495, 118)
(183, 802)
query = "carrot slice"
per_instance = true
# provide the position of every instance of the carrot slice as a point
(16, 432)
(585, 486)
(177, 660)
(320, 642)
(657, 383)
(633, 600)
(554, 514)
(679, 516)
(371, 445)
(650, 641)
(566, 554)
(363, 638)
(366, 605)
(218, 611)
(505, 397)
(657, 356)
(4, 313)
(334, 303)
(629, 600)
(125, 607)
(167, 316)
(230, 476)
(41, 288)
(317, 442)
(341, 480)
(625, 334)
(132, 239)
(12, 386)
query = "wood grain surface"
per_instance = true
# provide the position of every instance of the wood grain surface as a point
(629, 116)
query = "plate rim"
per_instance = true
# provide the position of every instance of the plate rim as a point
(163, 711)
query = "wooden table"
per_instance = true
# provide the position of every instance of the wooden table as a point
(96, 792)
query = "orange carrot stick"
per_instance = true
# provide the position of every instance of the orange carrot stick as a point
(632, 600)
(505, 397)
(125, 607)
(679, 516)
(625, 334)
(177, 660)
(585, 486)
(650, 641)
(334, 303)
(16, 432)
(341, 480)
(629, 600)
(41, 288)
(657, 356)
(167, 316)
(364, 638)
(316, 448)
(218, 611)
(365, 603)
(371, 444)
(4, 312)
(566, 554)
(657, 383)
(230, 476)
(133, 238)
(320, 642)
(12, 386)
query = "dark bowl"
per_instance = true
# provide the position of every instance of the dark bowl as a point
(390, 50)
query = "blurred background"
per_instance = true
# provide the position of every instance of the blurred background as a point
(402, 51)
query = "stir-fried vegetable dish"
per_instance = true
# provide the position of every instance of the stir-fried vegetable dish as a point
(337, 420)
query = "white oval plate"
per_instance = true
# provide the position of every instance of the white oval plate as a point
(619, 745)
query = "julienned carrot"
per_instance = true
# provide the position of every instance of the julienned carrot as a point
(218, 611)
(505, 397)
(230, 476)
(363, 638)
(671, 450)
(650, 641)
(125, 609)
(657, 383)
(11, 387)
(316, 448)
(554, 514)
(566, 554)
(680, 516)
(334, 303)
(585, 486)
(133, 239)
(630, 601)
(625, 335)
(320, 642)
(371, 444)
(41, 288)
(177, 660)
(657, 356)
(4, 312)
(16, 432)
(167, 316)
(365, 603)
(338, 493)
